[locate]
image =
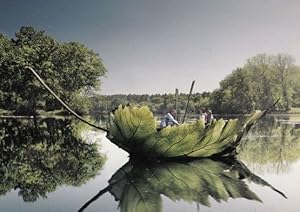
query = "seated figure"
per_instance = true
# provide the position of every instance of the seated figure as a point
(168, 119)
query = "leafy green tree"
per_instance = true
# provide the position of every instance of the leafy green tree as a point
(259, 83)
(294, 78)
(69, 68)
(283, 65)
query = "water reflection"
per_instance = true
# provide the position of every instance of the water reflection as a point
(139, 186)
(272, 145)
(38, 155)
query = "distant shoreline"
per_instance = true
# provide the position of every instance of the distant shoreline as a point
(53, 115)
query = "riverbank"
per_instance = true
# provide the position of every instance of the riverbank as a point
(40, 114)
(61, 113)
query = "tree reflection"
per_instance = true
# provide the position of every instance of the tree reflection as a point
(38, 155)
(139, 186)
(271, 146)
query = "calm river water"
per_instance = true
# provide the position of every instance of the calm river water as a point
(60, 164)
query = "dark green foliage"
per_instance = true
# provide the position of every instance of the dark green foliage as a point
(158, 103)
(70, 69)
(37, 156)
(294, 80)
(262, 80)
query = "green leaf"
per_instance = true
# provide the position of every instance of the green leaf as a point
(132, 126)
(222, 136)
(133, 129)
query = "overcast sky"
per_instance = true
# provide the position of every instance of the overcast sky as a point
(155, 46)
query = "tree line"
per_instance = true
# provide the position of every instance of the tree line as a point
(74, 72)
(158, 103)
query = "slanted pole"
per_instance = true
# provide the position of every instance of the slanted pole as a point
(94, 198)
(176, 103)
(188, 101)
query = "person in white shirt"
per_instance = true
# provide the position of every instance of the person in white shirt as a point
(202, 115)
(168, 119)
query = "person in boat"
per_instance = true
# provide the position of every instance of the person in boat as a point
(202, 115)
(209, 117)
(168, 119)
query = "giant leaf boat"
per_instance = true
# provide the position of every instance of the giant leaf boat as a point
(134, 130)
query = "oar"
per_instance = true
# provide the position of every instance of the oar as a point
(62, 102)
(188, 101)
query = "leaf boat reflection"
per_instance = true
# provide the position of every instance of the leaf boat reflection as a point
(139, 186)
(38, 155)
